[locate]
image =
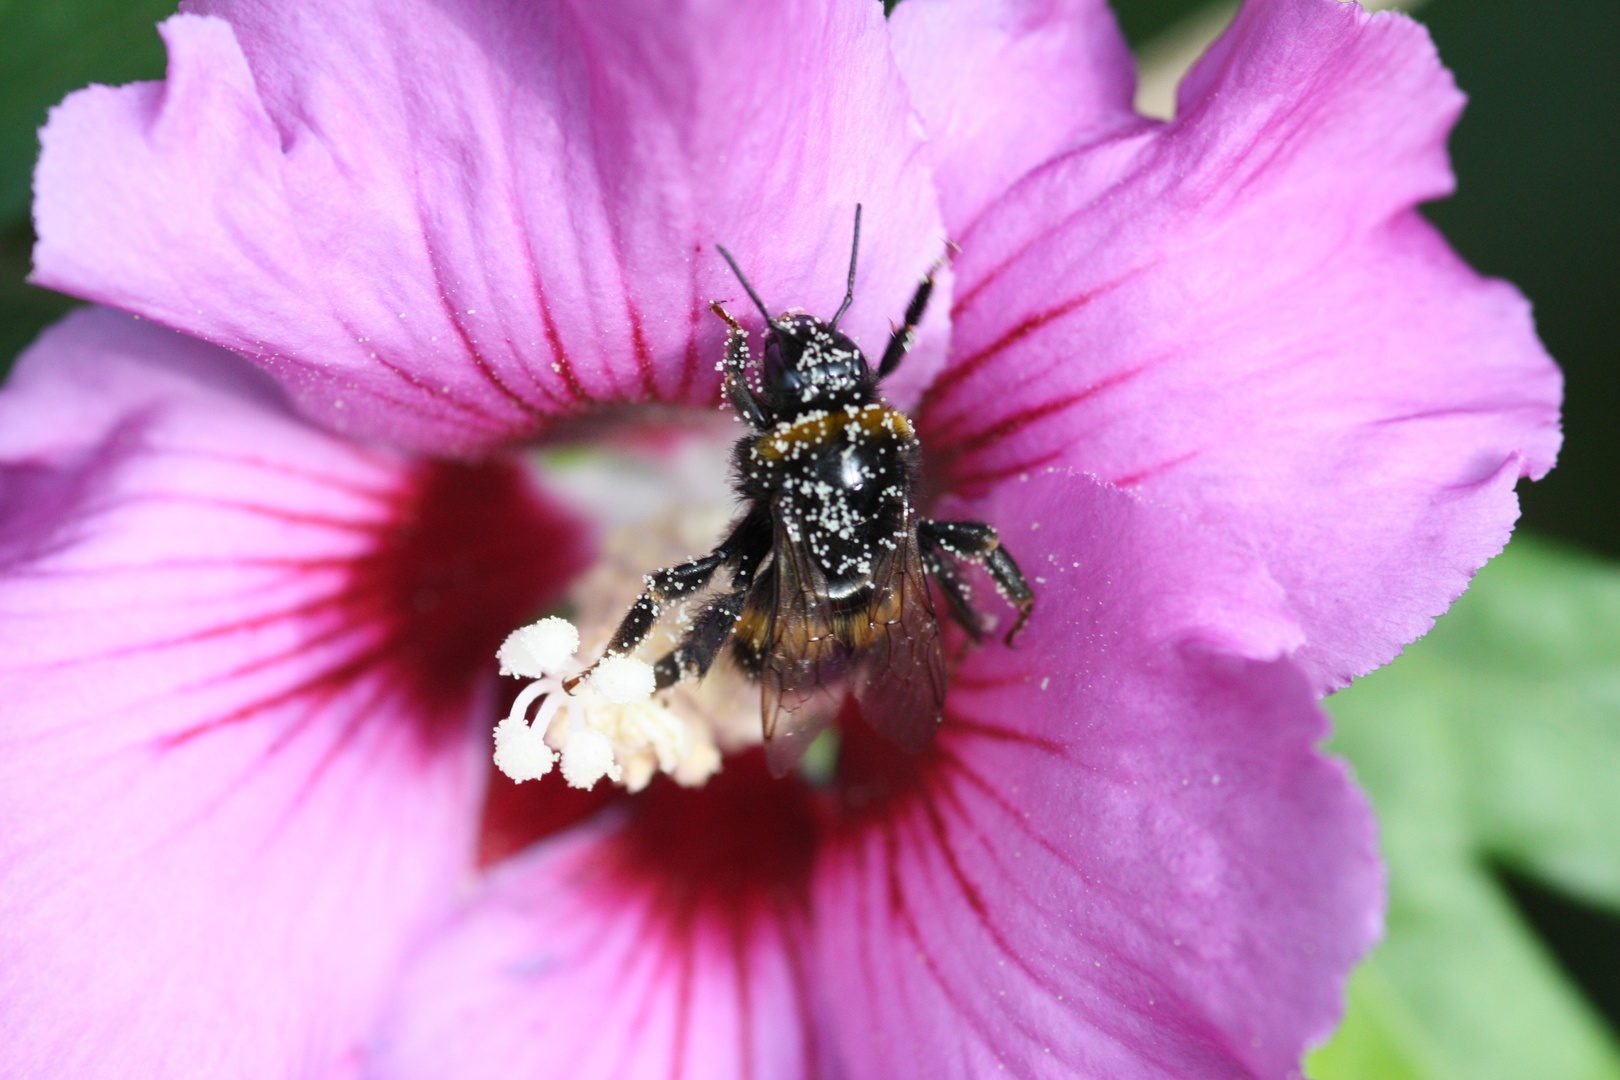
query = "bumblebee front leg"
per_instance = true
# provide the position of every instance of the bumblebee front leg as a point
(738, 392)
(901, 340)
(977, 542)
(671, 583)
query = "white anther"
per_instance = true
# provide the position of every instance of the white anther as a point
(522, 754)
(539, 649)
(700, 763)
(587, 756)
(644, 729)
(638, 772)
(623, 680)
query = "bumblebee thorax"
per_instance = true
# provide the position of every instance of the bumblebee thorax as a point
(814, 431)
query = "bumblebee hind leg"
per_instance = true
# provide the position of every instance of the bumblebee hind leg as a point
(957, 595)
(975, 541)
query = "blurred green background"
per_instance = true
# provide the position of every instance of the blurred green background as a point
(1492, 749)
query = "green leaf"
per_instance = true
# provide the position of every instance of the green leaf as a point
(50, 47)
(1494, 740)
(1380, 1039)
(24, 310)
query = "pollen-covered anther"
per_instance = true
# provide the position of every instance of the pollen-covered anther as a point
(623, 680)
(587, 756)
(538, 649)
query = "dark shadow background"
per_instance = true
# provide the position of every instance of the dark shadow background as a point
(1537, 156)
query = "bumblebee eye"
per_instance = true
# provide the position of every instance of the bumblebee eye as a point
(781, 365)
(773, 357)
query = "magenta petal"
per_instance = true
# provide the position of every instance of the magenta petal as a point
(446, 225)
(239, 661)
(1125, 858)
(1004, 85)
(663, 942)
(1240, 315)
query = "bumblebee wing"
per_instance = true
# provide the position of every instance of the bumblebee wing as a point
(900, 676)
(803, 665)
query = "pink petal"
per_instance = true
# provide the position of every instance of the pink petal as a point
(447, 225)
(240, 660)
(666, 941)
(1005, 85)
(1240, 314)
(1124, 858)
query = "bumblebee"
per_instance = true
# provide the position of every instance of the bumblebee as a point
(829, 564)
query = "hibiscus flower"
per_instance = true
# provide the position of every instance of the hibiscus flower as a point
(1238, 410)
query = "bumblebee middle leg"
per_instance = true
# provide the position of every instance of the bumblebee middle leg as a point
(974, 541)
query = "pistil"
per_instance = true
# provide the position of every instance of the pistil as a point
(609, 727)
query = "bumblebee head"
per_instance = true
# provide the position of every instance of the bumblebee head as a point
(809, 364)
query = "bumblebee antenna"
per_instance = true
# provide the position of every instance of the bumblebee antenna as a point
(854, 250)
(752, 295)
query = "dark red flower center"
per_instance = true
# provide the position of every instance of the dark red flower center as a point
(471, 554)
(742, 838)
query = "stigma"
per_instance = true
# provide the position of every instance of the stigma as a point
(609, 728)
